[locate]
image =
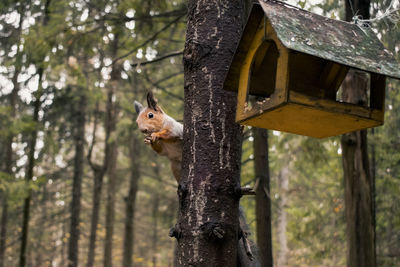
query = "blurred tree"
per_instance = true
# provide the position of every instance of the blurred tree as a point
(263, 197)
(357, 174)
(38, 60)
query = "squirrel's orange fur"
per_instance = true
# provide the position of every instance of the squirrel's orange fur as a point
(162, 132)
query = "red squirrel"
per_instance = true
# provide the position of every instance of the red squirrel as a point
(162, 132)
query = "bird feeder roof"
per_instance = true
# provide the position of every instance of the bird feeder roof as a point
(342, 42)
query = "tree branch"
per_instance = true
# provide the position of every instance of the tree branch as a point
(147, 41)
(160, 58)
(146, 76)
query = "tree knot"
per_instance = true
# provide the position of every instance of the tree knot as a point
(237, 192)
(350, 139)
(182, 191)
(213, 230)
(175, 232)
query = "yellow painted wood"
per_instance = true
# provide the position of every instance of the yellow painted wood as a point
(261, 51)
(309, 121)
(282, 74)
(335, 107)
(245, 73)
(280, 94)
(295, 112)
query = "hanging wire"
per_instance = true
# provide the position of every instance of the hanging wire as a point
(389, 13)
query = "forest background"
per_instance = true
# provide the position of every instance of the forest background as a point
(77, 177)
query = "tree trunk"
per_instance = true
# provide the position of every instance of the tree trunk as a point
(79, 137)
(96, 201)
(134, 154)
(263, 200)
(32, 148)
(98, 176)
(373, 188)
(209, 192)
(98, 171)
(39, 247)
(112, 114)
(8, 161)
(282, 216)
(357, 175)
(154, 242)
(110, 211)
(3, 232)
(29, 173)
(358, 183)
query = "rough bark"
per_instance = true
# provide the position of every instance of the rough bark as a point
(208, 224)
(134, 154)
(357, 174)
(247, 245)
(79, 138)
(282, 215)
(358, 183)
(263, 200)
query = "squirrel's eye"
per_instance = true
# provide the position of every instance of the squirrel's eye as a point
(150, 115)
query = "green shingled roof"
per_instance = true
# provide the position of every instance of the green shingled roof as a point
(346, 43)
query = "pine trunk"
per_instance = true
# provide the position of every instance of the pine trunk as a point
(98, 177)
(73, 248)
(3, 230)
(112, 114)
(29, 173)
(32, 148)
(358, 181)
(282, 214)
(154, 242)
(96, 201)
(209, 191)
(8, 160)
(134, 154)
(263, 200)
(110, 211)
(44, 217)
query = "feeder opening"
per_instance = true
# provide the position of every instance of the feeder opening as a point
(372, 88)
(262, 73)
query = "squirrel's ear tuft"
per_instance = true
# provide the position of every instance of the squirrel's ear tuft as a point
(138, 107)
(151, 101)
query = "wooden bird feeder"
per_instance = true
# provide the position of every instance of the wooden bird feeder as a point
(290, 64)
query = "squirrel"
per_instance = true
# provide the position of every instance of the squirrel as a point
(165, 135)
(162, 132)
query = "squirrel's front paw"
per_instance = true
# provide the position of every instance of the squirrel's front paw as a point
(147, 140)
(154, 137)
